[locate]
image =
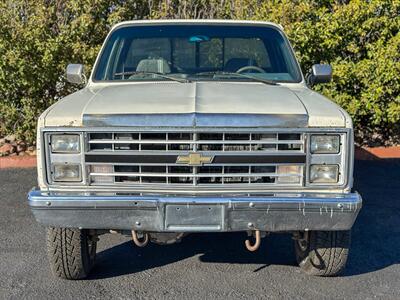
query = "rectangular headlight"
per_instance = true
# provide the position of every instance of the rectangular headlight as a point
(324, 173)
(325, 144)
(67, 172)
(65, 143)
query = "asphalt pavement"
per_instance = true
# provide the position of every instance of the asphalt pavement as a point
(206, 266)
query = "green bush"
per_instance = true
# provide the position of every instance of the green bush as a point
(360, 39)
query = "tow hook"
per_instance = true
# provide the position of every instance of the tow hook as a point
(140, 242)
(256, 245)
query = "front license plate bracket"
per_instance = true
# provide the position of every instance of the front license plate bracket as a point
(193, 217)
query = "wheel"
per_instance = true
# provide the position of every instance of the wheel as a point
(71, 252)
(323, 253)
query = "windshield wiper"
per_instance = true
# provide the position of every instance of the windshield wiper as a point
(181, 80)
(266, 81)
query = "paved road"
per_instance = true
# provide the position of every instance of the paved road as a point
(206, 265)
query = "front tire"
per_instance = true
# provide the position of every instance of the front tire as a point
(71, 252)
(323, 253)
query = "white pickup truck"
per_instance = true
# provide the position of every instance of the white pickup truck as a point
(196, 126)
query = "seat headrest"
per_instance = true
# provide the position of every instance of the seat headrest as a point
(157, 65)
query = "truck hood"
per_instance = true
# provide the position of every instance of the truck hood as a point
(195, 104)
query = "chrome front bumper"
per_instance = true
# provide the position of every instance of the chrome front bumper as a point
(180, 213)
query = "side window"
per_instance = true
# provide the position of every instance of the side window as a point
(110, 54)
(247, 48)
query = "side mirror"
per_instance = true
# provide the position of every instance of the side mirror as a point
(320, 73)
(75, 73)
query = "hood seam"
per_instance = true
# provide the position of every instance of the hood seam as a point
(302, 103)
(90, 101)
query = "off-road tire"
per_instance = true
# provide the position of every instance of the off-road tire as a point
(325, 252)
(71, 252)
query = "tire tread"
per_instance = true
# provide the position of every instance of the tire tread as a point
(68, 253)
(327, 253)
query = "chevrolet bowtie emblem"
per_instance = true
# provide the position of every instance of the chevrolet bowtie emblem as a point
(194, 159)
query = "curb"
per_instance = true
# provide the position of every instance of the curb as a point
(377, 153)
(17, 162)
(363, 153)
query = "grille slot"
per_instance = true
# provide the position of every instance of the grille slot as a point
(145, 174)
(153, 172)
(204, 142)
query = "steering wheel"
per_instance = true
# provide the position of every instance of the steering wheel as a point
(247, 68)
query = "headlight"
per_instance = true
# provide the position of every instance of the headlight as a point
(65, 143)
(325, 144)
(324, 173)
(67, 172)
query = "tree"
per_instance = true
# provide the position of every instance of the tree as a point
(360, 39)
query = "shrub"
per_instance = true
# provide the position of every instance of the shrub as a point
(360, 39)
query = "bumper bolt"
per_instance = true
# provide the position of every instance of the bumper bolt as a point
(250, 225)
(340, 205)
(48, 203)
(137, 223)
(251, 204)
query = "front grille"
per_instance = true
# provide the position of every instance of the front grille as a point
(237, 159)
(195, 142)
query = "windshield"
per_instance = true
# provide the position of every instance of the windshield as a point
(197, 52)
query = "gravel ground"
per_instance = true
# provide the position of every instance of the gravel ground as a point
(206, 265)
